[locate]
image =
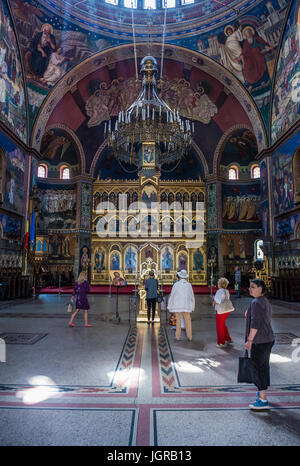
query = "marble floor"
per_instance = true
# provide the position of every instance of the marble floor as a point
(130, 384)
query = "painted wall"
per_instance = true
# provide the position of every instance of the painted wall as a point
(14, 175)
(12, 95)
(283, 186)
(286, 96)
(241, 206)
(252, 42)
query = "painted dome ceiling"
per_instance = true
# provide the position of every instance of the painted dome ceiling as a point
(92, 15)
(91, 43)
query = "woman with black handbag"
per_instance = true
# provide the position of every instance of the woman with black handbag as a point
(260, 340)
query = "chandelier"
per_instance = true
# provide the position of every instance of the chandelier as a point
(149, 120)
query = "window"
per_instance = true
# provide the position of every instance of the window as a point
(150, 4)
(258, 250)
(130, 3)
(169, 3)
(187, 2)
(42, 171)
(64, 173)
(255, 171)
(112, 2)
(233, 173)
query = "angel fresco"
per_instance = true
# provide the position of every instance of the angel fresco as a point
(231, 50)
(191, 103)
(55, 69)
(97, 106)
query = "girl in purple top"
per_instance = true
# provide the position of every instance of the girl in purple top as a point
(81, 289)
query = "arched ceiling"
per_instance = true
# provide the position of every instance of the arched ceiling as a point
(94, 40)
(101, 86)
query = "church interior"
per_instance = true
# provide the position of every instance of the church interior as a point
(140, 135)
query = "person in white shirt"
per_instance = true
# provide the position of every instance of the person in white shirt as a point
(223, 307)
(182, 303)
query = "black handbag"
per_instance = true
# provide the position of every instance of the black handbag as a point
(245, 369)
(160, 297)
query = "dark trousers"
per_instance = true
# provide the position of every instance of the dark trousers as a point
(260, 355)
(151, 303)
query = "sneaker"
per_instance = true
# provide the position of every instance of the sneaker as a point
(259, 405)
(229, 343)
(220, 345)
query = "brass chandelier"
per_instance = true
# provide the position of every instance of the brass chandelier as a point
(149, 120)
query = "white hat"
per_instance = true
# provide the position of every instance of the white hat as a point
(182, 274)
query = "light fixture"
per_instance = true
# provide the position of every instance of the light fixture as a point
(149, 120)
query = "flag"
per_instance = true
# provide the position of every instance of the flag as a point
(32, 231)
(27, 233)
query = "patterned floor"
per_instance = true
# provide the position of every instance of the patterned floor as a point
(146, 382)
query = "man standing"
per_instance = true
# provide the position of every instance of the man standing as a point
(237, 281)
(151, 287)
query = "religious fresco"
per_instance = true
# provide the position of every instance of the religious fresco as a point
(50, 47)
(167, 259)
(131, 259)
(57, 209)
(282, 175)
(247, 47)
(14, 174)
(99, 259)
(58, 148)
(239, 246)
(264, 196)
(241, 147)
(15, 180)
(241, 206)
(89, 126)
(285, 227)
(12, 96)
(198, 260)
(10, 227)
(182, 261)
(286, 94)
(53, 42)
(115, 260)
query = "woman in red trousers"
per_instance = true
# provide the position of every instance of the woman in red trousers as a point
(223, 307)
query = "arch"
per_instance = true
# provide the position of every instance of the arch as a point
(202, 158)
(233, 172)
(222, 143)
(108, 57)
(258, 250)
(296, 175)
(74, 138)
(42, 170)
(97, 156)
(64, 172)
(255, 171)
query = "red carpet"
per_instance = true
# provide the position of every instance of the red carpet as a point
(104, 289)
